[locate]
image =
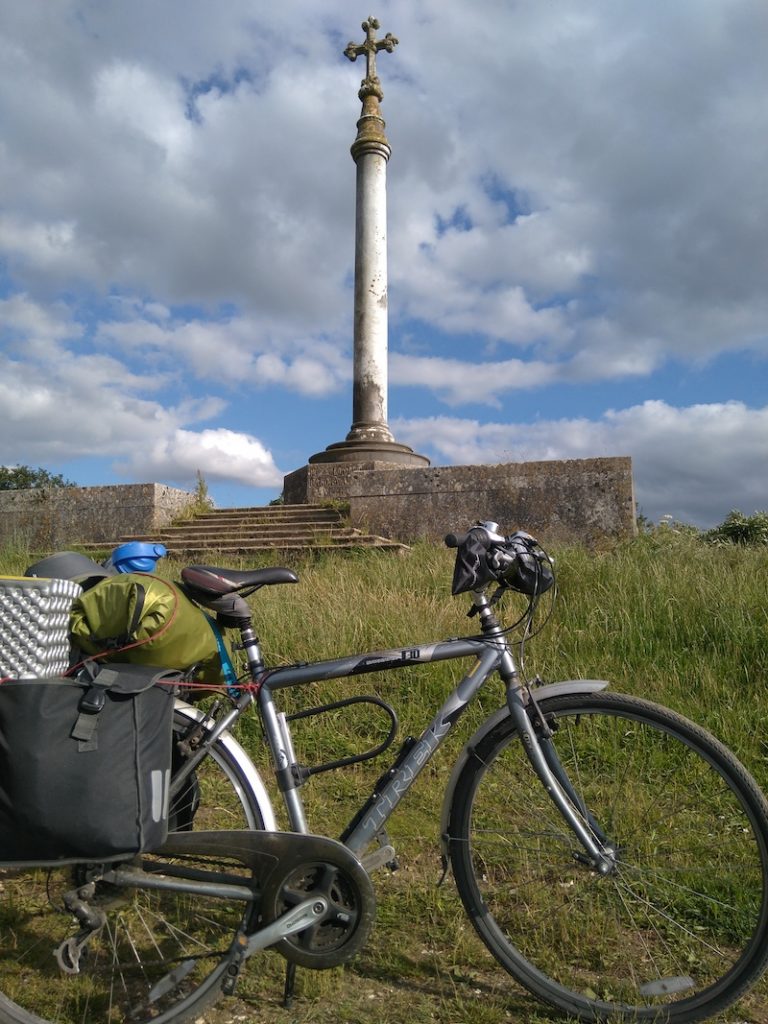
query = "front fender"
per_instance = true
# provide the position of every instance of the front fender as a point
(562, 689)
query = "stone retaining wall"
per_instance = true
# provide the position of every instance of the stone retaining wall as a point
(581, 500)
(57, 518)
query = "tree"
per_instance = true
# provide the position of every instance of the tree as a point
(22, 478)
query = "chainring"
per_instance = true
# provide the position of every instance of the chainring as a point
(321, 867)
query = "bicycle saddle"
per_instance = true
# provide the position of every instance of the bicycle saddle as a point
(214, 582)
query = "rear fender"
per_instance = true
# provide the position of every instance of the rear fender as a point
(243, 761)
(562, 689)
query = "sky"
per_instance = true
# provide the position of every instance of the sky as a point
(577, 239)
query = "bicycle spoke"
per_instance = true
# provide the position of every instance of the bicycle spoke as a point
(157, 948)
(684, 906)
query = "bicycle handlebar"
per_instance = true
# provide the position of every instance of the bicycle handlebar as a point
(455, 540)
(488, 536)
(484, 554)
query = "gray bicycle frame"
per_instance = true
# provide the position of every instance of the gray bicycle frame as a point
(492, 653)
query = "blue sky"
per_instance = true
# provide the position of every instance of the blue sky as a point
(577, 206)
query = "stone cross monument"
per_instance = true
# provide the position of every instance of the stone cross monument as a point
(370, 439)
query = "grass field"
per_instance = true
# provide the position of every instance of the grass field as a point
(664, 616)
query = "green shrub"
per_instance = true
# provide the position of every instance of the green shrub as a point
(737, 528)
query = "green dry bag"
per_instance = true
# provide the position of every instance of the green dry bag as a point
(145, 620)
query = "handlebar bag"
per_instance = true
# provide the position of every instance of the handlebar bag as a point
(85, 765)
(145, 620)
(471, 570)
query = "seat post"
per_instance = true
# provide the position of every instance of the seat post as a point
(252, 648)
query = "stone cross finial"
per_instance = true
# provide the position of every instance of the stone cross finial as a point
(370, 86)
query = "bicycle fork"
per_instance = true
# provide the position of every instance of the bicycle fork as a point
(601, 855)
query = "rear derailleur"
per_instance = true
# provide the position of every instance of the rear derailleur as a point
(91, 920)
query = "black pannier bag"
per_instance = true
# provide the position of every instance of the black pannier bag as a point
(85, 765)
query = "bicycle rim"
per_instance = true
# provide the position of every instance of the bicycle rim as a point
(160, 956)
(679, 929)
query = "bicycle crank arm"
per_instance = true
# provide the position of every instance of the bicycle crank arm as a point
(296, 919)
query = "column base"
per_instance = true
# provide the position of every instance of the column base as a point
(369, 450)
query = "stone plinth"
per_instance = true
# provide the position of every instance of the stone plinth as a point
(325, 482)
(576, 501)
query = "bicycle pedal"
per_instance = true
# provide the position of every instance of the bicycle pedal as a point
(383, 857)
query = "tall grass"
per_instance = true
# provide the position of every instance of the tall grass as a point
(663, 616)
(14, 557)
(679, 621)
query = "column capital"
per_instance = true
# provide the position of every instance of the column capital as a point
(370, 137)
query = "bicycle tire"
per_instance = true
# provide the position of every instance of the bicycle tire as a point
(679, 929)
(161, 956)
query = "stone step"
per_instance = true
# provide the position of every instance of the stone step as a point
(273, 529)
(241, 531)
(268, 515)
(227, 548)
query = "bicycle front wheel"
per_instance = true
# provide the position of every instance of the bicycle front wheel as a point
(161, 956)
(678, 929)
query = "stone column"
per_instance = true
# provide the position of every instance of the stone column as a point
(370, 439)
(369, 397)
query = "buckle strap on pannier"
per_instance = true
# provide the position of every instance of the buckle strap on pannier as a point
(91, 703)
(125, 680)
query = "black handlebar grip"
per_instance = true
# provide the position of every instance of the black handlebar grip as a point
(455, 540)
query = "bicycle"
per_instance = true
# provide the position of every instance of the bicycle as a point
(612, 855)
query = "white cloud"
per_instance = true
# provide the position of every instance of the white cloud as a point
(22, 319)
(486, 381)
(244, 350)
(457, 381)
(636, 169)
(219, 455)
(636, 136)
(694, 463)
(61, 404)
(132, 101)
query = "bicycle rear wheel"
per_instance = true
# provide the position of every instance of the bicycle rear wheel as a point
(679, 929)
(161, 956)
